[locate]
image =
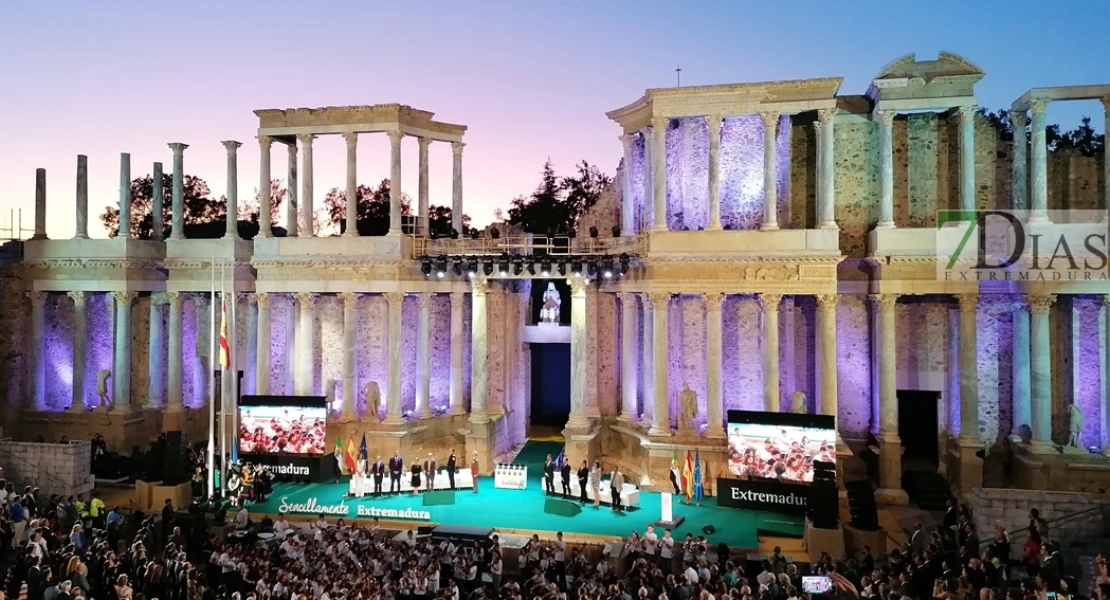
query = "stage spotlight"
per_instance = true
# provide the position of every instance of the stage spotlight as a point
(487, 268)
(593, 231)
(562, 269)
(591, 268)
(532, 268)
(518, 267)
(576, 268)
(473, 234)
(426, 267)
(545, 268)
(616, 231)
(607, 268)
(454, 234)
(441, 267)
(494, 233)
(472, 267)
(624, 264)
(503, 266)
(458, 268)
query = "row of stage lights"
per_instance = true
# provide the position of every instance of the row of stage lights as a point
(604, 266)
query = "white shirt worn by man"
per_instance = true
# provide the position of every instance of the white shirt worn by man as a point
(666, 548)
(691, 575)
(650, 539)
(241, 518)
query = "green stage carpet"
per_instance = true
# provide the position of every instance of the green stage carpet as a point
(524, 509)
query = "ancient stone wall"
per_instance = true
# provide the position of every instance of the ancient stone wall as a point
(1011, 507)
(54, 468)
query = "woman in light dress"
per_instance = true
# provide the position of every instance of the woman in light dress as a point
(595, 482)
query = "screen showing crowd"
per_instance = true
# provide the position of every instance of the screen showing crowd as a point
(282, 429)
(783, 452)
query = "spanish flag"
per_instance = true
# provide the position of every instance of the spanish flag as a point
(351, 453)
(225, 351)
(688, 478)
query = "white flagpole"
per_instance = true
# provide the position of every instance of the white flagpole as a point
(212, 391)
(232, 366)
(223, 392)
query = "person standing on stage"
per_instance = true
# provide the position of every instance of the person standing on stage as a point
(474, 471)
(430, 472)
(415, 477)
(583, 478)
(451, 466)
(564, 471)
(549, 476)
(396, 467)
(359, 478)
(616, 485)
(378, 470)
(595, 482)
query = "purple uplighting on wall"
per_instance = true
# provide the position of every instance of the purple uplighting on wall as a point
(58, 351)
(1087, 374)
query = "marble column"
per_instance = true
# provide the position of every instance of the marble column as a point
(1041, 368)
(395, 138)
(350, 359)
(422, 144)
(265, 202)
(158, 201)
(80, 350)
(1021, 369)
(156, 385)
(886, 168)
(177, 204)
(967, 157)
(649, 184)
(292, 213)
(124, 196)
(352, 187)
(423, 355)
(661, 412)
(659, 172)
(1019, 180)
(826, 355)
(629, 360)
(306, 227)
(1040, 162)
(890, 444)
(40, 207)
(714, 122)
(714, 403)
(578, 417)
(647, 358)
(478, 374)
(1104, 382)
(628, 201)
(304, 381)
(82, 232)
(455, 391)
(262, 353)
(174, 393)
(1106, 154)
(770, 172)
(35, 363)
(772, 401)
(232, 220)
(456, 186)
(121, 372)
(826, 167)
(969, 369)
(393, 407)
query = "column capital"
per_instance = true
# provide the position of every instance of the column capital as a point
(825, 116)
(424, 142)
(1040, 303)
(173, 298)
(77, 297)
(262, 299)
(1105, 100)
(178, 147)
(967, 112)
(712, 301)
(424, 301)
(885, 117)
(457, 299)
(479, 285)
(628, 299)
(395, 300)
(123, 297)
(306, 139)
(395, 137)
(884, 302)
(969, 303)
(660, 123)
(351, 138)
(578, 285)
(457, 148)
(350, 299)
(1018, 119)
(770, 302)
(1037, 106)
(770, 119)
(159, 298)
(291, 151)
(659, 300)
(1105, 299)
(827, 301)
(627, 140)
(265, 141)
(306, 299)
(231, 145)
(714, 121)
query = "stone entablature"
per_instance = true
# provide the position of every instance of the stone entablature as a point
(356, 119)
(910, 84)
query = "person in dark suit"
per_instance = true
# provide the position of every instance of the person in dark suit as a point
(565, 472)
(549, 476)
(396, 467)
(451, 469)
(379, 474)
(583, 477)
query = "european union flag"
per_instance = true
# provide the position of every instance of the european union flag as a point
(699, 490)
(362, 449)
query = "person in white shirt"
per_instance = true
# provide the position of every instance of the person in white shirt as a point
(651, 542)
(691, 574)
(496, 567)
(242, 519)
(281, 526)
(666, 551)
(561, 559)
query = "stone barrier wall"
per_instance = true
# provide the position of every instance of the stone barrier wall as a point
(54, 468)
(1011, 507)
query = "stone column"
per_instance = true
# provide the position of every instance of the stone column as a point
(826, 167)
(156, 385)
(578, 418)
(232, 148)
(628, 201)
(292, 214)
(423, 355)
(265, 203)
(1019, 176)
(35, 361)
(1021, 369)
(305, 227)
(659, 172)
(456, 186)
(628, 356)
(1104, 387)
(969, 369)
(422, 144)
(455, 391)
(40, 207)
(177, 205)
(158, 208)
(826, 355)
(350, 360)
(649, 184)
(1041, 368)
(770, 172)
(886, 169)
(174, 399)
(121, 372)
(967, 157)
(124, 196)
(890, 444)
(262, 353)
(478, 375)
(714, 404)
(661, 412)
(80, 345)
(1040, 162)
(352, 186)
(714, 122)
(647, 357)
(393, 350)
(395, 138)
(772, 400)
(305, 368)
(82, 232)
(1106, 155)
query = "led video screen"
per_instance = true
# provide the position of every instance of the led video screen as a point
(283, 427)
(779, 446)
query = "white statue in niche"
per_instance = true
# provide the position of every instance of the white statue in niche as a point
(549, 312)
(688, 401)
(1075, 425)
(798, 403)
(102, 377)
(373, 400)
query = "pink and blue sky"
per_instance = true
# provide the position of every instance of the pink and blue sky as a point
(532, 80)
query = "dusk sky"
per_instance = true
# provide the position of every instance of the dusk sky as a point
(531, 80)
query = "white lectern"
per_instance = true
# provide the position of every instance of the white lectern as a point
(667, 517)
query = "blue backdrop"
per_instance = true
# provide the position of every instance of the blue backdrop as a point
(550, 384)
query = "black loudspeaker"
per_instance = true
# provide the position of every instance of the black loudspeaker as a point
(824, 505)
(709, 530)
(861, 504)
(175, 469)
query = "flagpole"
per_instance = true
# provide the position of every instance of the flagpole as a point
(233, 366)
(211, 462)
(223, 389)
